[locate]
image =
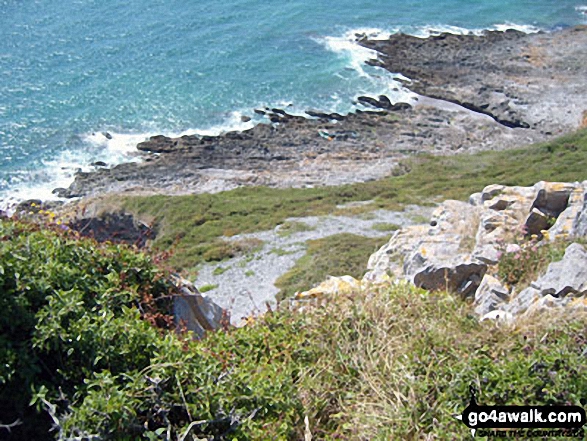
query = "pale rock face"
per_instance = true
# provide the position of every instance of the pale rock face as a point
(464, 238)
(195, 310)
(568, 221)
(490, 295)
(331, 287)
(389, 260)
(499, 316)
(562, 281)
(577, 215)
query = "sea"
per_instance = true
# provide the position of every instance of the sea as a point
(86, 80)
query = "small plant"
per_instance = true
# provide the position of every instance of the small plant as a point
(281, 252)
(521, 263)
(249, 273)
(292, 227)
(207, 287)
(384, 226)
(219, 270)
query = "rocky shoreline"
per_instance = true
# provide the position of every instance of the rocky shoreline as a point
(472, 93)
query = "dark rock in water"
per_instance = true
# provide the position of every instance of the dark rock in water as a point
(368, 100)
(107, 135)
(59, 191)
(399, 107)
(383, 102)
(114, 227)
(280, 112)
(98, 164)
(158, 144)
(259, 112)
(245, 118)
(322, 115)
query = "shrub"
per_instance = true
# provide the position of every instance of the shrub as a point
(396, 362)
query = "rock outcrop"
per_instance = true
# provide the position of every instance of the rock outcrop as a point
(459, 249)
(498, 74)
(194, 311)
(563, 281)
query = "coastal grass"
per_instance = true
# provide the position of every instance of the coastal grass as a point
(385, 226)
(194, 225)
(292, 227)
(339, 254)
(398, 363)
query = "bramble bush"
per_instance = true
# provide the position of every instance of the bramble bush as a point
(77, 342)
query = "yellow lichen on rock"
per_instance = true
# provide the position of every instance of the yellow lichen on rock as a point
(331, 286)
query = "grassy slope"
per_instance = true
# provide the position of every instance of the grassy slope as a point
(193, 225)
(333, 255)
(392, 364)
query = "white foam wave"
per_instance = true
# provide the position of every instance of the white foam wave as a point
(39, 184)
(433, 30)
(109, 147)
(377, 80)
(346, 46)
(234, 122)
(115, 144)
(527, 29)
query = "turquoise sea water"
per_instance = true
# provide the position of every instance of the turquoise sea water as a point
(71, 70)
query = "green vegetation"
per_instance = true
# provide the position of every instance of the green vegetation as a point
(206, 288)
(281, 252)
(523, 265)
(85, 339)
(344, 253)
(194, 225)
(291, 227)
(220, 270)
(385, 226)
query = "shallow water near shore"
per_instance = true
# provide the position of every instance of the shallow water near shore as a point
(86, 81)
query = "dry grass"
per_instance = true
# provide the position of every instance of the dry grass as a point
(398, 362)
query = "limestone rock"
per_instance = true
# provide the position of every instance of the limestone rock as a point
(195, 310)
(489, 295)
(574, 218)
(454, 251)
(499, 316)
(388, 261)
(436, 256)
(567, 278)
(567, 215)
(545, 303)
(332, 286)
